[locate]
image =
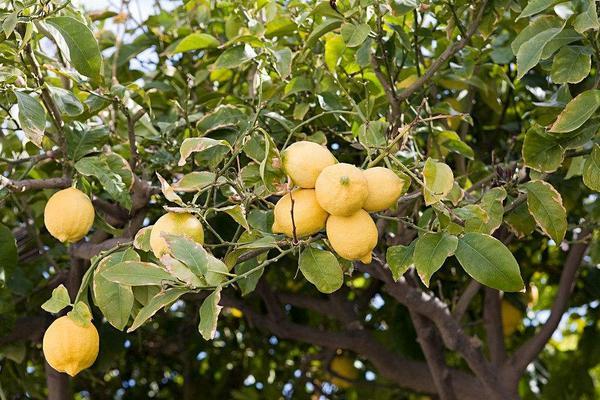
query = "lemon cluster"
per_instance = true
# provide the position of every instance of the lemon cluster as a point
(335, 196)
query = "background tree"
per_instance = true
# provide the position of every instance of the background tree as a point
(189, 109)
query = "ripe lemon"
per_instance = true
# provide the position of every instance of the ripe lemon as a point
(309, 217)
(385, 187)
(342, 189)
(511, 317)
(184, 224)
(69, 215)
(353, 237)
(344, 371)
(69, 347)
(303, 162)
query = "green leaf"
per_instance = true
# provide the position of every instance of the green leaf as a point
(81, 140)
(438, 180)
(355, 35)
(32, 117)
(180, 271)
(160, 300)
(322, 269)
(196, 41)
(234, 57)
(238, 213)
(400, 259)
(530, 52)
(59, 300)
(113, 299)
(587, 19)
(577, 112)
(80, 314)
(8, 252)
(591, 170)
(491, 203)
(546, 207)
(536, 6)
(135, 273)
(9, 23)
(431, 251)
(535, 27)
(248, 284)
(373, 134)
(283, 61)
(489, 262)
(81, 47)
(66, 101)
(209, 315)
(571, 65)
(298, 84)
(113, 172)
(223, 117)
(168, 191)
(542, 151)
(197, 145)
(189, 252)
(141, 241)
(565, 37)
(326, 26)
(334, 49)
(520, 221)
(196, 181)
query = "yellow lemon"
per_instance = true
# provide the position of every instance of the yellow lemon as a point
(344, 371)
(69, 347)
(184, 224)
(385, 187)
(353, 237)
(309, 217)
(511, 317)
(69, 215)
(303, 162)
(342, 189)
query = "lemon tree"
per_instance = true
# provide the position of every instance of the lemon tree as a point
(300, 199)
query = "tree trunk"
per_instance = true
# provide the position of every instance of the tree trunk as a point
(58, 384)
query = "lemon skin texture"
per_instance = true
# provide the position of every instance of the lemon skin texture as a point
(69, 215)
(353, 237)
(183, 224)
(344, 372)
(385, 187)
(309, 217)
(303, 162)
(511, 318)
(342, 189)
(69, 347)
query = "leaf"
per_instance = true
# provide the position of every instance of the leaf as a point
(168, 191)
(542, 151)
(136, 273)
(234, 57)
(520, 221)
(489, 262)
(324, 27)
(298, 84)
(9, 23)
(160, 300)
(283, 61)
(197, 145)
(82, 141)
(355, 35)
(113, 172)
(491, 203)
(248, 284)
(334, 49)
(536, 6)
(196, 41)
(238, 213)
(113, 299)
(209, 315)
(196, 181)
(189, 252)
(226, 116)
(431, 250)
(530, 52)
(571, 65)
(66, 101)
(577, 112)
(438, 181)
(546, 207)
(587, 19)
(373, 134)
(81, 47)
(536, 26)
(141, 241)
(59, 300)
(80, 314)
(8, 252)
(322, 269)
(565, 37)
(32, 117)
(400, 259)
(591, 170)
(180, 271)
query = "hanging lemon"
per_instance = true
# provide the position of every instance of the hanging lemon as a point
(69, 215)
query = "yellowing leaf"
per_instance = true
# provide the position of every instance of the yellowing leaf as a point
(438, 179)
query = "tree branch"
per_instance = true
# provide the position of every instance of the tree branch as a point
(493, 326)
(465, 299)
(35, 184)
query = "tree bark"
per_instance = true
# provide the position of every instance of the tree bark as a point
(58, 384)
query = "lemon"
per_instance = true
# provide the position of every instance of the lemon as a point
(69, 215)
(184, 224)
(303, 162)
(309, 217)
(385, 187)
(344, 371)
(511, 317)
(342, 189)
(353, 237)
(69, 347)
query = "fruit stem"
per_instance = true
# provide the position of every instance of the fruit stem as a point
(344, 180)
